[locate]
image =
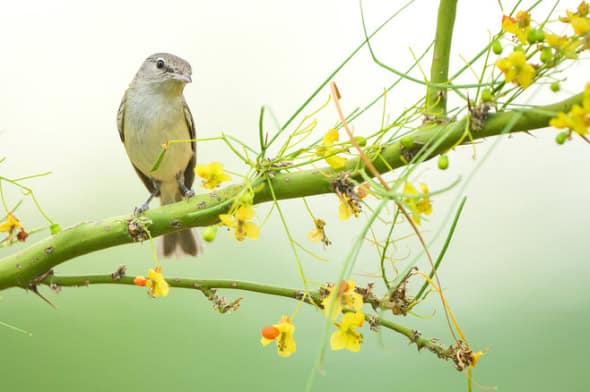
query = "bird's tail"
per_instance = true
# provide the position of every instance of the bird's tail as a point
(181, 243)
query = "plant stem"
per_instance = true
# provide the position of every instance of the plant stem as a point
(436, 103)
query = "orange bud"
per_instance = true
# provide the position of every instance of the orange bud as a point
(363, 190)
(22, 235)
(342, 288)
(269, 332)
(140, 281)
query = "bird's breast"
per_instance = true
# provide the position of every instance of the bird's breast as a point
(150, 121)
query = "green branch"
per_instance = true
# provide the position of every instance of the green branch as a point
(21, 268)
(436, 102)
(206, 286)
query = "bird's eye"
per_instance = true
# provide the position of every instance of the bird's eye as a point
(160, 63)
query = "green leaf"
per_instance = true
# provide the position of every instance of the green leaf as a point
(159, 160)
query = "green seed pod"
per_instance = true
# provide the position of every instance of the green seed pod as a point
(561, 137)
(443, 162)
(407, 141)
(555, 87)
(361, 141)
(210, 233)
(497, 47)
(531, 36)
(546, 55)
(486, 95)
(539, 35)
(518, 48)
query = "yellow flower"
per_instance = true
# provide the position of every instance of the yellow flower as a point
(348, 207)
(319, 233)
(578, 20)
(346, 337)
(475, 357)
(239, 222)
(158, 287)
(282, 333)
(581, 25)
(328, 152)
(518, 26)
(578, 118)
(342, 297)
(12, 225)
(212, 174)
(516, 69)
(566, 46)
(420, 205)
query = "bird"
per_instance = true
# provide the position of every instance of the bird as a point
(152, 112)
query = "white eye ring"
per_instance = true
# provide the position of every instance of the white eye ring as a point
(160, 63)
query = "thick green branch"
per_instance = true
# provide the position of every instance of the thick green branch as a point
(436, 103)
(20, 269)
(207, 285)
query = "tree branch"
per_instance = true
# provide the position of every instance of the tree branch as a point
(206, 286)
(20, 269)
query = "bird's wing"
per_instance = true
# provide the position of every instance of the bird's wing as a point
(189, 172)
(121, 116)
(120, 125)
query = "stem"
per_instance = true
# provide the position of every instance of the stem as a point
(436, 103)
(206, 285)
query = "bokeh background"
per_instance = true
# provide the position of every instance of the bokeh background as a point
(516, 273)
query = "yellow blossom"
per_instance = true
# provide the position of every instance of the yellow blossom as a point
(519, 26)
(581, 25)
(566, 46)
(516, 69)
(578, 118)
(578, 20)
(348, 207)
(475, 357)
(347, 337)
(239, 222)
(319, 233)
(420, 205)
(212, 174)
(12, 225)
(342, 297)
(328, 152)
(282, 333)
(158, 287)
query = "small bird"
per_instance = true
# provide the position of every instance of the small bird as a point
(153, 111)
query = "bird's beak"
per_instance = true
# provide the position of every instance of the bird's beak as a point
(182, 77)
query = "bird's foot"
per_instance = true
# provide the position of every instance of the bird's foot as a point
(141, 209)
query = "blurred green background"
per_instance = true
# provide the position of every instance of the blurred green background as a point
(515, 274)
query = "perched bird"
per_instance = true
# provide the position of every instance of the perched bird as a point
(153, 111)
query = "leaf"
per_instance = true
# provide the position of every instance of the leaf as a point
(159, 160)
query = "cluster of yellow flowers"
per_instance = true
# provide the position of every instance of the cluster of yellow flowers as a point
(576, 120)
(551, 47)
(340, 298)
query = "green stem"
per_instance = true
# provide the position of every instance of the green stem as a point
(21, 268)
(436, 104)
(207, 285)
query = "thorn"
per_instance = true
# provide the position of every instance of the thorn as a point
(34, 289)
